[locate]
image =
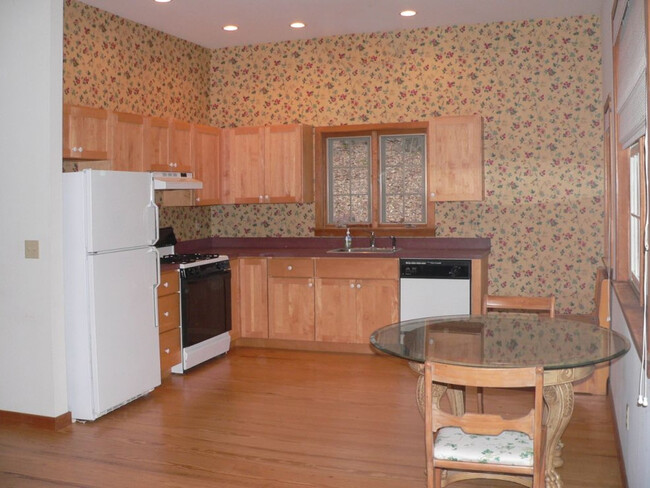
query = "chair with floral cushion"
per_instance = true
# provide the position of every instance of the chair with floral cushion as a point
(479, 445)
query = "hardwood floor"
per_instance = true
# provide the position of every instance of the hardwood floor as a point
(272, 418)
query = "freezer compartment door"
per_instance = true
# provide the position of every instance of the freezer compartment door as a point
(124, 336)
(120, 210)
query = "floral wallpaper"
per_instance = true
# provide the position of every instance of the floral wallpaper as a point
(536, 84)
(117, 64)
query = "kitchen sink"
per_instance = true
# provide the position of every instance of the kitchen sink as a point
(364, 250)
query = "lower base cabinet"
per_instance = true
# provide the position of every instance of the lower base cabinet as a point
(316, 299)
(291, 298)
(354, 297)
(169, 321)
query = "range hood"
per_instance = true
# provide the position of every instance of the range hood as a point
(175, 181)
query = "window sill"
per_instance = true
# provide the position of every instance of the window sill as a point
(632, 311)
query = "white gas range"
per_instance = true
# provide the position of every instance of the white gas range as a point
(205, 306)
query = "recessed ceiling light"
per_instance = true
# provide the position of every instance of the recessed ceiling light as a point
(230, 28)
(407, 13)
(298, 25)
(163, 1)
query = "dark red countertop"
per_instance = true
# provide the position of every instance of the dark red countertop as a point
(408, 247)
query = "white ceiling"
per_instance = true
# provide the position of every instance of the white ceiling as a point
(261, 21)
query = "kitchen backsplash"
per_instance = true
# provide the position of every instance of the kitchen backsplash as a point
(269, 220)
(537, 85)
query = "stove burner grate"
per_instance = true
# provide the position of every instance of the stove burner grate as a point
(186, 258)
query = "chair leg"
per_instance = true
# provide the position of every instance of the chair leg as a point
(438, 478)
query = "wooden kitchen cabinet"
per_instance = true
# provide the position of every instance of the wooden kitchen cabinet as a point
(253, 298)
(270, 164)
(85, 133)
(128, 141)
(291, 298)
(355, 297)
(206, 142)
(167, 145)
(169, 321)
(455, 148)
(288, 163)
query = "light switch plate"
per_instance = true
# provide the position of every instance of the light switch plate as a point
(31, 249)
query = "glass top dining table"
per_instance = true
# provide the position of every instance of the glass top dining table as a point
(568, 350)
(501, 340)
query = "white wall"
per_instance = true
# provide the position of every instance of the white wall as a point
(624, 376)
(32, 352)
(624, 380)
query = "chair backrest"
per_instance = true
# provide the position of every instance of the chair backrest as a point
(515, 303)
(481, 423)
(602, 293)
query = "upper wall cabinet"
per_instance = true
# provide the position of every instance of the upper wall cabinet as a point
(271, 164)
(207, 164)
(167, 145)
(455, 158)
(128, 141)
(85, 133)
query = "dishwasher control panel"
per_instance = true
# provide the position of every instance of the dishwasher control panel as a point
(451, 269)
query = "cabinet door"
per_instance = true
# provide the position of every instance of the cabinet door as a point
(246, 162)
(206, 144)
(128, 142)
(156, 144)
(253, 298)
(85, 133)
(180, 146)
(455, 158)
(287, 164)
(336, 319)
(377, 306)
(291, 308)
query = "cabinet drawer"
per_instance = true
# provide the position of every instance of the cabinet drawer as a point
(357, 268)
(168, 283)
(168, 312)
(170, 349)
(291, 267)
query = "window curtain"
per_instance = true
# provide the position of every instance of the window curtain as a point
(631, 95)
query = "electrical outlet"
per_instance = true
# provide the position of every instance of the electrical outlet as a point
(627, 416)
(31, 249)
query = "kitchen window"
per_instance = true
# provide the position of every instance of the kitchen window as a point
(373, 177)
(636, 214)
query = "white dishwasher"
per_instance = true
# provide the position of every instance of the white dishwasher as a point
(434, 287)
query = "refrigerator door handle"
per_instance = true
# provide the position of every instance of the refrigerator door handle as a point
(154, 288)
(152, 211)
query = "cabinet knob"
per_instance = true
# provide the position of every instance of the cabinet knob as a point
(310, 284)
(167, 351)
(358, 285)
(166, 314)
(351, 285)
(166, 284)
(81, 149)
(290, 268)
(266, 198)
(432, 194)
(198, 199)
(261, 198)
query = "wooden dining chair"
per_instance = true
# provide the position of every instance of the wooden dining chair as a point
(515, 304)
(519, 303)
(478, 445)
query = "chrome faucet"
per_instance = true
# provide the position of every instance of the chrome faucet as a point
(372, 238)
(393, 242)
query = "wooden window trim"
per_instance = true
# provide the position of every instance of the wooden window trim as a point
(321, 135)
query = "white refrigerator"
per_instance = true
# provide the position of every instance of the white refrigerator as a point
(111, 272)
